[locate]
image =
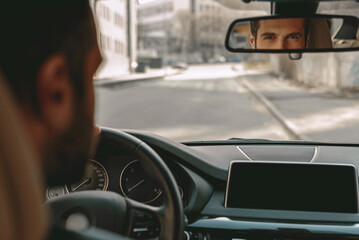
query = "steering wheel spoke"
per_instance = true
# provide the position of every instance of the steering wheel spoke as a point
(145, 221)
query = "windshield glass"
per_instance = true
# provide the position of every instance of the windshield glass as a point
(166, 71)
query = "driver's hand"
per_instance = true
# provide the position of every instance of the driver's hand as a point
(95, 139)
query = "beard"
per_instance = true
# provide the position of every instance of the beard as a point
(67, 155)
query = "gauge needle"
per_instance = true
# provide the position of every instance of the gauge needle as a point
(81, 184)
(138, 184)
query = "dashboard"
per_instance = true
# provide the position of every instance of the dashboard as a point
(115, 171)
(201, 170)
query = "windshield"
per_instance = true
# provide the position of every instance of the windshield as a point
(166, 71)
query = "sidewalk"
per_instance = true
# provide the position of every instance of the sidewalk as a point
(151, 74)
(307, 113)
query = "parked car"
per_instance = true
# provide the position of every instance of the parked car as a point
(217, 59)
(178, 64)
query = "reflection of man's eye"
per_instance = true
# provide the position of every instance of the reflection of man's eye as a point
(293, 36)
(269, 37)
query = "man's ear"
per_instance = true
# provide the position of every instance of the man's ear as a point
(55, 94)
(252, 40)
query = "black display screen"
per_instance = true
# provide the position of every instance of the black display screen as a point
(291, 186)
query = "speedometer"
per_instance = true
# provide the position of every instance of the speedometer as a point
(135, 184)
(95, 178)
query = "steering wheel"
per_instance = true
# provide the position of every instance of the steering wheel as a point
(113, 212)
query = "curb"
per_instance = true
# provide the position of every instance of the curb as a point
(111, 81)
(288, 126)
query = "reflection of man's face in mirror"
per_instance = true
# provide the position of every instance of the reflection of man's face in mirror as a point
(286, 33)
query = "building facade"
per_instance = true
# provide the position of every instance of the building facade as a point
(157, 23)
(116, 25)
(188, 30)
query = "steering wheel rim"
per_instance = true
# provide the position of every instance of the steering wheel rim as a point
(108, 210)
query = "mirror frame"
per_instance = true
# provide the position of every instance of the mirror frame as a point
(352, 18)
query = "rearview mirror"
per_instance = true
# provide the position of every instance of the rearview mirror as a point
(318, 33)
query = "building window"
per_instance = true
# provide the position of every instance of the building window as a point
(118, 20)
(109, 43)
(101, 41)
(119, 47)
(155, 10)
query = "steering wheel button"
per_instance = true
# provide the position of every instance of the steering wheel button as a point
(139, 225)
(151, 224)
(149, 216)
(136, 230)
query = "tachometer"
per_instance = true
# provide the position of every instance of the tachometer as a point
(95, 178)
(135, 184)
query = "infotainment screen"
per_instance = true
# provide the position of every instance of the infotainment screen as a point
(292, 186)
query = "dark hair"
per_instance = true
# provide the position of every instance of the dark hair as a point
(32, 31)
(254, 27)
(254, 24)
(307, 22)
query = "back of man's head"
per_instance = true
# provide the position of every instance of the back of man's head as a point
(31, 31)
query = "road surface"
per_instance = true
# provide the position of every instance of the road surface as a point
(204, 103)
(213, 102)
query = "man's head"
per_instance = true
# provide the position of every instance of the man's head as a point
(285, 33)
(49, 54)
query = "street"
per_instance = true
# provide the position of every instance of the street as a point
(215, 102)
